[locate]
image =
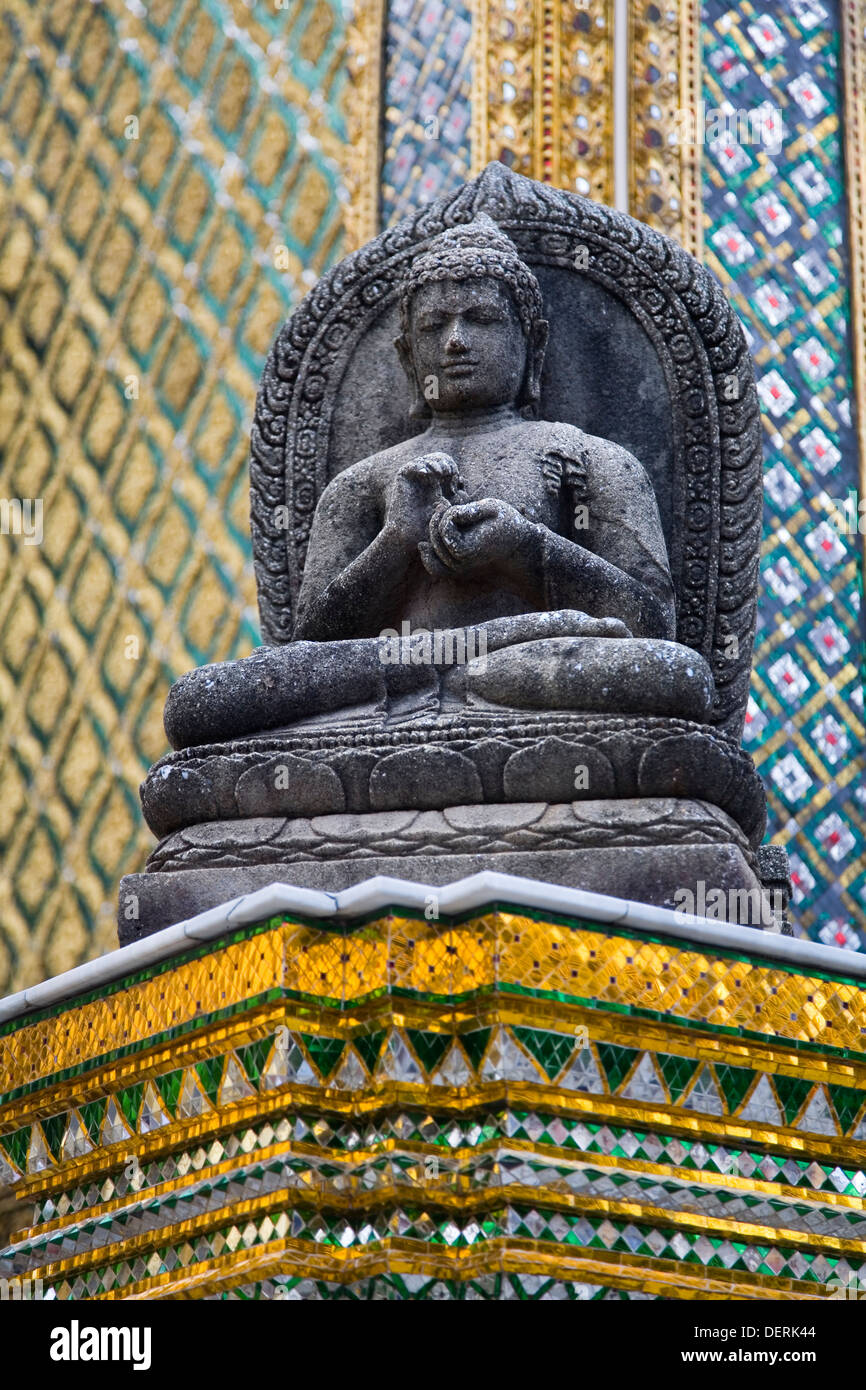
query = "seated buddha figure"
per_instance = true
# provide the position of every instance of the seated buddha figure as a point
(489, 513)
(543, 540)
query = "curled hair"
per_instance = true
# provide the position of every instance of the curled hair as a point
(470, 251)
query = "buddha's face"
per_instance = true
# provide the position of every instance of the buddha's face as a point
(467, 344)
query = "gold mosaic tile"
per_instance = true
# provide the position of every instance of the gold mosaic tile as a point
(139, 289)
(441, 960)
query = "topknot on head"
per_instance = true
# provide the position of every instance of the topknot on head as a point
(475, 250)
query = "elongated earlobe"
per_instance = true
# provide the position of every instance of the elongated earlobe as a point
(418, 409)
(536, 348)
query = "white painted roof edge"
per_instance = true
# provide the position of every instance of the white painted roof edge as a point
(477, 891)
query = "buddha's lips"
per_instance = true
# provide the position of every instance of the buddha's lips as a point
(459, 366)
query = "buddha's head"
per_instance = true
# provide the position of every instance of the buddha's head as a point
(472, 326)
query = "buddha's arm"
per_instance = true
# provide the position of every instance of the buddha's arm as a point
(568, 575)
(352, 604)
(614, 566)
(357, 568)
(351, 572)
(615, 561)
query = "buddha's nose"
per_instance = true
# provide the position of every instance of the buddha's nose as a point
(456, 339)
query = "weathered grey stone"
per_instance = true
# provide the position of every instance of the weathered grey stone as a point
(653, 874)
(454, 830)
(774, 871)
(548, 661)
(587, 673)
(553, 763)
(643, 350)
(445, 761)
(310, 787)
(485, 518)
(522, 578)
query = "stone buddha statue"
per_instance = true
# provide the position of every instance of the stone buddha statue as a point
(493, 640)
(532, 542)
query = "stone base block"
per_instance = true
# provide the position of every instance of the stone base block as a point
(648, 851)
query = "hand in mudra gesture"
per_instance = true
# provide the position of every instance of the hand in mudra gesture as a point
(476, 535)
(420, 487)
(492, 535)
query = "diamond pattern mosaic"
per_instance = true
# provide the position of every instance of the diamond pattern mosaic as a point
(511, 1106)
(775, 234)
(171, 187)
(408, 1287)
(427, 102)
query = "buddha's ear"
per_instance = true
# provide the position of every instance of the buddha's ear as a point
(404, 352)
(418, 409)
(536, 348)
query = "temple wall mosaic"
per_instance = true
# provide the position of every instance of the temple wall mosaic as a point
(143, 280)
(175, 178)
(427, 102)
(776, 234)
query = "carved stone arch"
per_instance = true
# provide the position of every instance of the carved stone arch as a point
(645, 350)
